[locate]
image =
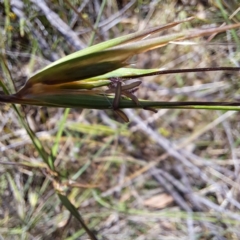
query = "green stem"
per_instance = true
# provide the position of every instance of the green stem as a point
(97, 21)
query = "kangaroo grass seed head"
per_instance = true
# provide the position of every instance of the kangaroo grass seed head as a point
(75, 80)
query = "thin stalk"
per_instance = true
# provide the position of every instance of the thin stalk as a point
(186, 70)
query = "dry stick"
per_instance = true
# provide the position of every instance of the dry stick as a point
(115, 18)
(182, 187)
(187, 191)
(75, 17)
(221, 173)
(17, 7)
(233, 192)
(83, 19)
(226, 126)
(109, 23)
(166, 183)
(168, 186)
(60, 25)
(217, 208)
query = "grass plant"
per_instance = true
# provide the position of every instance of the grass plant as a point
(170, 174)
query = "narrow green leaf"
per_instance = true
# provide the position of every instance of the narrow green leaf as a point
(104, 80)
(93, 99)
(92, 61)
(111, 43)
(80, 66)
(71, 208)
(96, 129)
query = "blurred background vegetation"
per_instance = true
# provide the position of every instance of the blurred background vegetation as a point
(169, 175)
